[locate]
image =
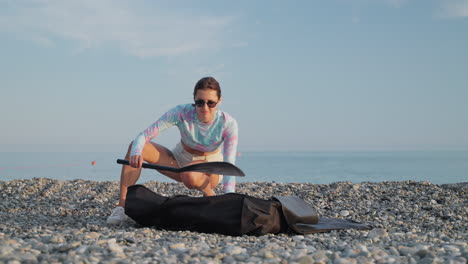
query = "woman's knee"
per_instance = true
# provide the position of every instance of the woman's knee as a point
(190, 180)
(130, 146)
(129, 150)
(214, 180)
(149, 151)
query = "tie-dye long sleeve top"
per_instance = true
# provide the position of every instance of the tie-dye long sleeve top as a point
(205, 137)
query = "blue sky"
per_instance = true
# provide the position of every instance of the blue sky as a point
(297, 75)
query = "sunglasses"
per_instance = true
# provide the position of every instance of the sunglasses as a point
(201, 103)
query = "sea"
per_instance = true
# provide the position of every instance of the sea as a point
(438, 167)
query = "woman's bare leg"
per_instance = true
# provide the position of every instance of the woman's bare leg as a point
(201, 181)
(152, 153)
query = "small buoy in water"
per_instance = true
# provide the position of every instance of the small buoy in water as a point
(239, 154)
(93, 162)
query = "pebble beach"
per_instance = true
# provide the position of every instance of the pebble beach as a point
(52, 221)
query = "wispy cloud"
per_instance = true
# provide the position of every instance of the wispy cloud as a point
(139, 30)
(453, 8)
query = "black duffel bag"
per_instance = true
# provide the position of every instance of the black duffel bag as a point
(230, 214)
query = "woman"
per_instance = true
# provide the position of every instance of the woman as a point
(204, 131)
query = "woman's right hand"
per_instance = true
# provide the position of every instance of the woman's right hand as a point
(136, 161)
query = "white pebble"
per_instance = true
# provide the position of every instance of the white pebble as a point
(344, 213)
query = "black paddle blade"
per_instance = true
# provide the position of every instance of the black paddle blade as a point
(215, 167)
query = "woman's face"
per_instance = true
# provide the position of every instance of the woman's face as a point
(203, 99)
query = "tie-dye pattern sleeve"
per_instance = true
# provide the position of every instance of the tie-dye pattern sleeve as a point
(230, 136)
(170, 118)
